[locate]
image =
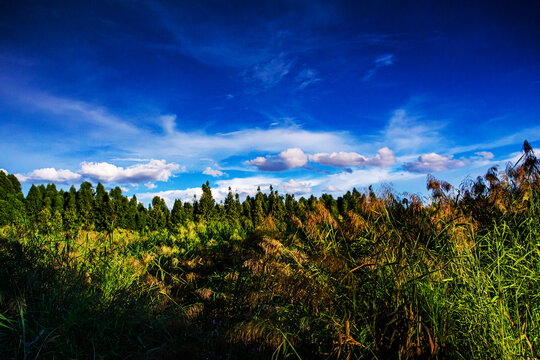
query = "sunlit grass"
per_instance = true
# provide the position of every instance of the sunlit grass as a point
(389, 279)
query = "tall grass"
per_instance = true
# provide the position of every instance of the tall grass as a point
(389, 280)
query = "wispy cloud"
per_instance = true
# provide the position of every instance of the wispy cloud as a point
(306, 77)
(405, 133)
(169, 123)
(79, 111)
(513, 138)
(213, 172)
(270, 73)
(109, 130)
(379, 62)
(358, 178)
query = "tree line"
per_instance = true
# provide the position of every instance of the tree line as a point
(47, 209)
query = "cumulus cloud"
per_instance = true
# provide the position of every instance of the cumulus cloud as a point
(385, 157)
(288, 159)
(155, 170)
(213, 172)
(49, 174)
(433, 162)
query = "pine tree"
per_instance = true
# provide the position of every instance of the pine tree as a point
(102, 209)
(177, 213)
(205, 209)
(12, 209)
(131, 219)
(231, 210)
(34, 200)
(258, 212)
(85, 199)
(141, 217)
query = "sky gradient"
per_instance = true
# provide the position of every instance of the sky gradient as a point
(312, 97)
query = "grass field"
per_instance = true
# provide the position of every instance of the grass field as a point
(455, 278)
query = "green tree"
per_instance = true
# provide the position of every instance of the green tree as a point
(206, 205)
(131, 219)
(232, 206)
(258, 208)
(85, 199)
(34, 200)
(177, 214)
(158, 214)
(102, 209)
(141, 217)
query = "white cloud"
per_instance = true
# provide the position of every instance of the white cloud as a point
(385, 60)
(131, 159)
(379, 62)
(345, 181)
(155, 170)
(242, 186)
(306, 77)
(213, 172)
(531, 134)
(330, 188)
(80, 111)
(49, 174)
(296, 187)
(4, 171)
(433, 162)
(170, 195)
(168, 122)
(150, 185)
(271, 72)
(104, 129)
(385, 157)
(404, 133)
(288, 159)
(486, 155)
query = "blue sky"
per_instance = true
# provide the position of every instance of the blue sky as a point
(158, 97)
